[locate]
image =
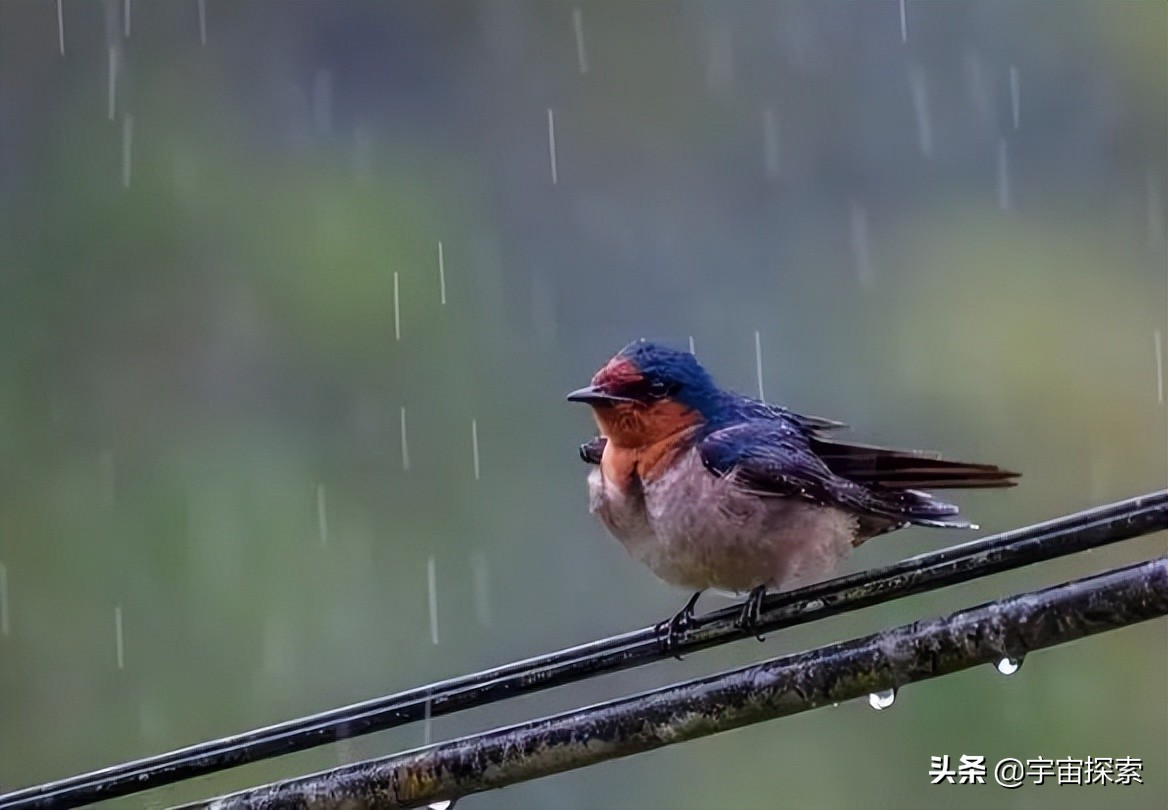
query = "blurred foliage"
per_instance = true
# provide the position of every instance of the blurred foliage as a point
(194, 362)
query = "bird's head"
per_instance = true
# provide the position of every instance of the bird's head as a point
(648, 392)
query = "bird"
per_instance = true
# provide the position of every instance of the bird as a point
(712, 489)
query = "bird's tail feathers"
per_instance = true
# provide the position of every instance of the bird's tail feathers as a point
(920, 509)
(887, 468)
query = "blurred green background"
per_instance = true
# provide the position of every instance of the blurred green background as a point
(956, 241)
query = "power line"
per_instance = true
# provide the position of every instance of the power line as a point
(1091, 528)
(783, 686)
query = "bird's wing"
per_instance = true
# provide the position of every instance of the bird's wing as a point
(771, 457)
(748, 409)
(888, 468)
(872, 466)
(593, 449)
(817, 422)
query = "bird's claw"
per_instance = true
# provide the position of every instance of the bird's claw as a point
(748, 619)
(673, 630)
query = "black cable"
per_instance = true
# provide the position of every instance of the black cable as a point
(783, 686)
(1013, 549)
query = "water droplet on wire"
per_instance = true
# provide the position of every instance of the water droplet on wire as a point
(1008, 665)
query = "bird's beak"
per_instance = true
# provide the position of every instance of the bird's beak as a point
(595, 395)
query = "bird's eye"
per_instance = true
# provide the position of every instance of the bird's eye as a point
(658, 389)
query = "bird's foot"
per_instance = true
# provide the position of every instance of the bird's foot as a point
(747, 620)
(674, 629)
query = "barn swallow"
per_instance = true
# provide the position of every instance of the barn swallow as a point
(712, 489)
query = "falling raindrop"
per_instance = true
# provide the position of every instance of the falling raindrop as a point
(1098, 467)
(543, 308)
(60, 27)
(396, 308)
(441, 275)
(920, 100)
(474, 442)
(427, 721)
(362, 153)
(720, 63)
(691, 346)
(127, 143)
(976, 86)
(1003, 176)
(108, 477)
(482, 588)
(112, 93)
(126, 17)
(432, 587)
(578, 26)
(903, 22)
(770, 142)
(552, 144)
(322, 101)
(203, 22)
(346, 751)
(1158, 342)
(3, 600)
(861, 245)
(882, 700)
(118, 639)
(1015, 94)
(1008, 665)
(758, 362)
(1155, 208)
(321, 515)
(405, 445)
